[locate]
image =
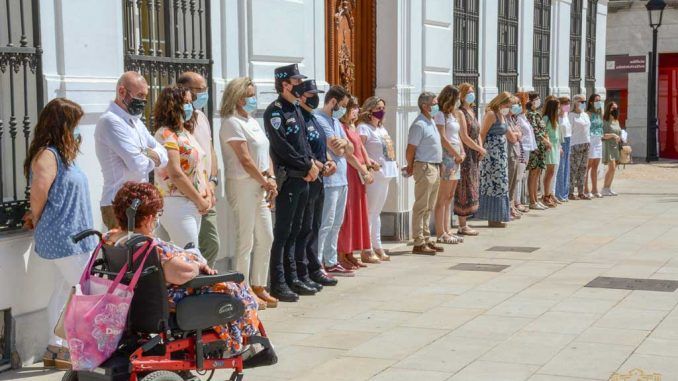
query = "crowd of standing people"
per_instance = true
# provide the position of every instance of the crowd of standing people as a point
(324, 169)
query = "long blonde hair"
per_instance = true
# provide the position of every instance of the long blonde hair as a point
(496, 102)
(234, 92)
(369, 104)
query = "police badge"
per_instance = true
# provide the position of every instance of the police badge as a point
(276, 122)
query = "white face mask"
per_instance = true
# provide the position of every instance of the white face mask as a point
(505, 111)
(537, 103)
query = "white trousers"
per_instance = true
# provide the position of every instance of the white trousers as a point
(376, 197)
(181, 220)
(254, 229)
(69, 270)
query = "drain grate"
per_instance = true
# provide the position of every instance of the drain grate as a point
(514, 249)
(479, 267)
(634, 284)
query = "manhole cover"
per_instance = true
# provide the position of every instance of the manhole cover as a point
(479, 267)
(634, 284)
(515, 249)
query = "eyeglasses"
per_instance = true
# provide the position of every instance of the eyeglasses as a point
(159, 213)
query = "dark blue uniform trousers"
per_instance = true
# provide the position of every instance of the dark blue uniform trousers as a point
(306, 247)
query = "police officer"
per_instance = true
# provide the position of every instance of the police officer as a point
(309, 269)
(295, 167)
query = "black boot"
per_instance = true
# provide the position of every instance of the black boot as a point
(307, 281)
(301, 288)
(322, 279)
(283, 293)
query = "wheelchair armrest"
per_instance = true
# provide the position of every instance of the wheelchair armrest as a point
(207, 280)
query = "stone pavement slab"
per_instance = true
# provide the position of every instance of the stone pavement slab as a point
(416, 318)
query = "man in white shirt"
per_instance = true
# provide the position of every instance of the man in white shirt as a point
(124, 147)
(208, 240)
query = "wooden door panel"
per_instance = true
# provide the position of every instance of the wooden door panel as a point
(350, 47)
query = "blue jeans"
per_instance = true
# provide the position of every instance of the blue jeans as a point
(334, 206)
(563, 176)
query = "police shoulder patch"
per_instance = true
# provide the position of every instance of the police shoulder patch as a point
(276, 122)
(277, 104)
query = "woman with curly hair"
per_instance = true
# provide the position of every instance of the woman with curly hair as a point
(60, 207)
(184, 182)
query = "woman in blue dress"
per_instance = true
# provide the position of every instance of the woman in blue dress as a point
(494, 181)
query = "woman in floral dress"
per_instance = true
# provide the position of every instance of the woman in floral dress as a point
(466, 195)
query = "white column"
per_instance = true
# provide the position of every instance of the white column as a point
(488, 40)
(438, 42)
(582, 82)
(601, 38)
(525, 45)
(560, 47)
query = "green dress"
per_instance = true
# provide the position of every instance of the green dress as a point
(611, 148)
(536, 160)
(552, 156)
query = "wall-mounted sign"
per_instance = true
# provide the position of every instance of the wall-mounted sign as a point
(625, 64)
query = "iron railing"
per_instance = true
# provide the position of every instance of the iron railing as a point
(541, 58)
(466, 31)
(591, 20)
(164, 38)
(507, 52)
(575, 46)
(21, 101)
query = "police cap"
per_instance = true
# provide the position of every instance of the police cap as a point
(288, 72)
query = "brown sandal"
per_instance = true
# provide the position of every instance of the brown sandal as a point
(381, 254)
(261, 293)
(369, 258)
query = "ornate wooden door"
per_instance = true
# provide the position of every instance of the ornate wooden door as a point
(350, 47)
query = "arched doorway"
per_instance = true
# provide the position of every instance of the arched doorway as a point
(351, 45)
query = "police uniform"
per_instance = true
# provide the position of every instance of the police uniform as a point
(306, 247)
(292, 158)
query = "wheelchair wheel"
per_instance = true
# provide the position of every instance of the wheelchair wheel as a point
(162, 375)
(71, 375)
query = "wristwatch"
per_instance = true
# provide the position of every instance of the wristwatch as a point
(215, 180)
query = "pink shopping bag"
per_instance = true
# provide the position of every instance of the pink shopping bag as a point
(95, 321)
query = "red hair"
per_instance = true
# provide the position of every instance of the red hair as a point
(148, 194)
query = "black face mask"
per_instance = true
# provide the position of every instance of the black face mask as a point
(313, 102)
(298, 90)
(615, 113)
(134, 106)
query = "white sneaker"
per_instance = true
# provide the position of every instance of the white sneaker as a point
(613, 193)
(598, 195)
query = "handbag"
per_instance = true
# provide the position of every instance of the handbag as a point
(96, 316)
(625, 155)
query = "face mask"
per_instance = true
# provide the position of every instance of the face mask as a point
(565, 108)
(339, 113)
(298, 90)
(582, 106)
(201, 100)
(313, 101)
(470, 98)
(599, 105)
(615, 113)
(134, 106)
(536, 103)
(250, 105)
(157, 224)
(76, 133)
(379, 114)
(434, 110)
(504, 111)
(188, 111)
(516, 109)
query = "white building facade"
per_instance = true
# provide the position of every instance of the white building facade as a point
(420, 45)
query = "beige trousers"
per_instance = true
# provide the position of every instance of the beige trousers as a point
(426, 182)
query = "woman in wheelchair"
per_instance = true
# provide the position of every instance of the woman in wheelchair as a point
(181, 265)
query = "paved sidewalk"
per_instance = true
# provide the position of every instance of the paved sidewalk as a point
(415, 318)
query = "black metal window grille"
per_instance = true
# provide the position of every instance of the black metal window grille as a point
(20, 102)
(507, 55)
(164, 38)
(575, 47)
(541, 60)
(591, 19)
(466, 30)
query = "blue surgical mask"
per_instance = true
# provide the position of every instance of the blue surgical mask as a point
(582, 106)
(599, 105)
(201, 100)
(434, 110)
(250, 105)
(188, 111)
(76, 133)
(516, 109)
(470, 98)
(339, 113)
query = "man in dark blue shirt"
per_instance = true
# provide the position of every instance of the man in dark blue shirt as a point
(309, 268)
(295, 166)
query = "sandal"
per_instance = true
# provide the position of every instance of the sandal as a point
(450, 240)
(63, 359)
(368, 258)
(465, 230)
(50, 355)
(381, 254)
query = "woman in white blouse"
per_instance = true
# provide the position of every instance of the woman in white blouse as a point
(250, 185)
(380, 149)
(579, 147)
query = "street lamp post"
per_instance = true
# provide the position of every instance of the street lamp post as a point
(655, 11)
